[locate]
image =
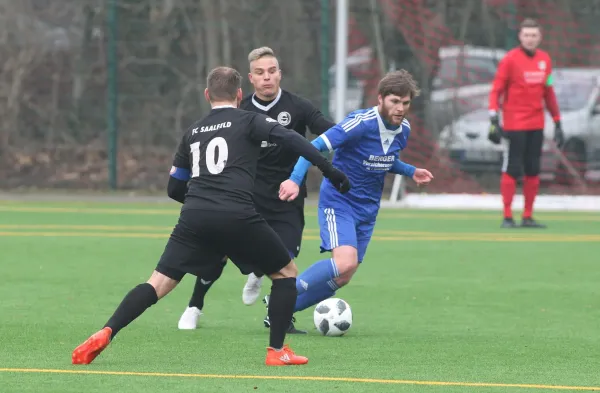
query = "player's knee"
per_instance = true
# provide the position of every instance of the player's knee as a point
(346, 259)
(345, 278)
(288, 271)
(214, 273)
(162, 284)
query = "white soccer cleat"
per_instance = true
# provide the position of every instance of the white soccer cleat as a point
(189, 318)
(251, 290)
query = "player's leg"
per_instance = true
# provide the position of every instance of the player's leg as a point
(289, 226)
(531, 181)
(189, 318)
(143, 296)
(253, 285)
(364, 231)
(181, 252)
(281, 310)
(138, 300)
(251, 290)
(512, 169)
(253, 240)
(322, 279)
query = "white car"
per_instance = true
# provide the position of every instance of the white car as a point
(578, 93)
(462, 82)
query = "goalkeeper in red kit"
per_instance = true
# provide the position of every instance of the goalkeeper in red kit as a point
(523, 83)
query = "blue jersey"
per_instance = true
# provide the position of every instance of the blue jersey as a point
(366, 149)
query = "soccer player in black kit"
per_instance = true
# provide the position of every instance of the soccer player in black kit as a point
(218, 217)
(274, 167)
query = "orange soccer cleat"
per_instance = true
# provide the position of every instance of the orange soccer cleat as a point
(284, 357)
(87, 352)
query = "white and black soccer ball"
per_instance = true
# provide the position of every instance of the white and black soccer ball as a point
(333, 317)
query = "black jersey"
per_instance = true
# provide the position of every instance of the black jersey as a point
(277, 162)
(221, 152)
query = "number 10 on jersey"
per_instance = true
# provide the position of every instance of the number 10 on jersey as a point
(214, 166)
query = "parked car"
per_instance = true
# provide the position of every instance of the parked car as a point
(578, 94)
(462, 82)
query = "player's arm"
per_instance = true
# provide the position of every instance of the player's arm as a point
(265, 128)
(550, 95)
(402, 168)
(299, 145)
(419, 175)
(337, 136)
(552, 106)
(499, 86)
(180, 173)
(550, 99)
(315, 120)
(498, 91)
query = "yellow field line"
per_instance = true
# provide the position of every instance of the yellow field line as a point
(90, 210)
(302, 378)
(90, 227)
(87, 234)
(385, 213)
(431, 237)
(577, 216)
(383, 234)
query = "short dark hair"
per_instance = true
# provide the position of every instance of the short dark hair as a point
(529, 23)
(399, 83)
(223, 84)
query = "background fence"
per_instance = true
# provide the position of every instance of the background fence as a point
(84, 80)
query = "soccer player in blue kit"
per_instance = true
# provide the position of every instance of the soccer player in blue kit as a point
(366, 145)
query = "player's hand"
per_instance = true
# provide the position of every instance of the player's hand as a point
(559, 136)
(422, 177)
(337, 178)
(288, 191)
(495, 131)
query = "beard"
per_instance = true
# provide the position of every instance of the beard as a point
(387, 116)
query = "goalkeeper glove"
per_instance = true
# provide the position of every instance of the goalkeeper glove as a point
(559, 136)
(495, 132)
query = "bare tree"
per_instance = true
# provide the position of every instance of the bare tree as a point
(25, 43)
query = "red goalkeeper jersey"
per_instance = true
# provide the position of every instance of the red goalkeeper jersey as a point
(522, 84)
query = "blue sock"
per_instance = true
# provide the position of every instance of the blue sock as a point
(316, 283)
(315, 295)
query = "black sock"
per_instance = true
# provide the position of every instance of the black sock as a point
(281, 309)
(202, 286)
(133, 305)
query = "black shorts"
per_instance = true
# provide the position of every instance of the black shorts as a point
(201, 240)
(288, 225)
(524, 153)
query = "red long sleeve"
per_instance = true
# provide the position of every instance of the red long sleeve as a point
(551, 103)
(499, 85)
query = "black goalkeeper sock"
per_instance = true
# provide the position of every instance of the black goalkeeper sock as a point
(133, 305)
(281, 309)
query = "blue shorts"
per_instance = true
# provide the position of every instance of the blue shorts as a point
(338, 227)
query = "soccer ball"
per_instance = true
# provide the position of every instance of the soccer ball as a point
(333, 317)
